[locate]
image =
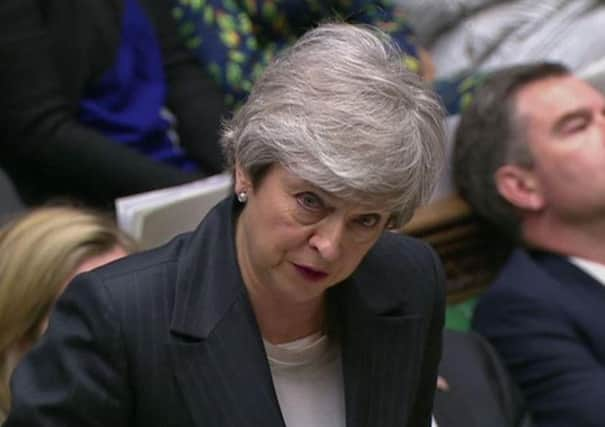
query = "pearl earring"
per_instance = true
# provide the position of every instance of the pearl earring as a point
(242, 197)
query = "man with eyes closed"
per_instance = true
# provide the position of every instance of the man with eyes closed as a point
(530, 159)
(291, 304)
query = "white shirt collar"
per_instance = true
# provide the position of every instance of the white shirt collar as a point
(592, 268)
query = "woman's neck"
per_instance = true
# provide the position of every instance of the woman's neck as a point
(281, 321)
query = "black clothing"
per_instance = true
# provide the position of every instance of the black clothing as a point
(50, 50)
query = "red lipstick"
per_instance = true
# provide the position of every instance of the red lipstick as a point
(310, 273)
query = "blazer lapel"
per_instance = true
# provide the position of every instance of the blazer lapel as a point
(217, 352)
(380, 360)
(224, 378)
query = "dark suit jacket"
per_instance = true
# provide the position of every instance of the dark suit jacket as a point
(168, 338)
(480, 391)
(546, 318)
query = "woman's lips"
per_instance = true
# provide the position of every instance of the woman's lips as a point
(310, 273)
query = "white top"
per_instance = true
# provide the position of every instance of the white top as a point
(307, 375)
(592, 268)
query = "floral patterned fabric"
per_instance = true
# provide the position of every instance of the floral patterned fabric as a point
(235, 39)
(457, 91)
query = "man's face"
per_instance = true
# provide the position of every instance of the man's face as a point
(564, 121)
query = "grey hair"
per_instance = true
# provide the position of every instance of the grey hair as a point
(340, 110)
(491, 134)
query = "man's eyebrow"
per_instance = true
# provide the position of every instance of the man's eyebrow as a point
(582, 113)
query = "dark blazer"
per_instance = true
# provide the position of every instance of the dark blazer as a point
(545, 318)
(480, 391)
(50, 52)
(168, 338)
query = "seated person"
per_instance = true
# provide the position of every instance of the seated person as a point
(99, 100)
(485, 35)
(529, 158)
(234, 40)
(40, 252)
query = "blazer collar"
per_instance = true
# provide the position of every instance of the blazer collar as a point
(217, 351)
(563, 270)
(208, 276)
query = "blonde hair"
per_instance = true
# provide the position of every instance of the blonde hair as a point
(39, 252)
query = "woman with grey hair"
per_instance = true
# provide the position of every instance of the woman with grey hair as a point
(290, 305)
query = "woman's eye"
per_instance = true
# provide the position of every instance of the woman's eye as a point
(368, 221)
(309, 201)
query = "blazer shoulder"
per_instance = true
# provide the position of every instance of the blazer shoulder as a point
(513, 279)
(397, 252)
(147, 259)
(401, 268)
(143, 272)
(520, 296)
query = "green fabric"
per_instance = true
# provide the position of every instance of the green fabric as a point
(458, 316)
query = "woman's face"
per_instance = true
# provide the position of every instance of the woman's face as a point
(294, 240)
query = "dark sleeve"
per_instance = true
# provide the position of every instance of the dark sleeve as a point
(479, 382)
(435, 309)
(42, 142)
(76, 375)
(194, 98)
(563, 382)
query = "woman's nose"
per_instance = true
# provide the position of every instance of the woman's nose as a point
(327, 238)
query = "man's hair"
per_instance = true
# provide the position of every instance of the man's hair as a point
(490, 135)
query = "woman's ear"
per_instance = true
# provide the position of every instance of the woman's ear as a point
(242, 181)
(520, 187)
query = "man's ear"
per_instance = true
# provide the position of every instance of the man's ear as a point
(520, 187)
(242, 181)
